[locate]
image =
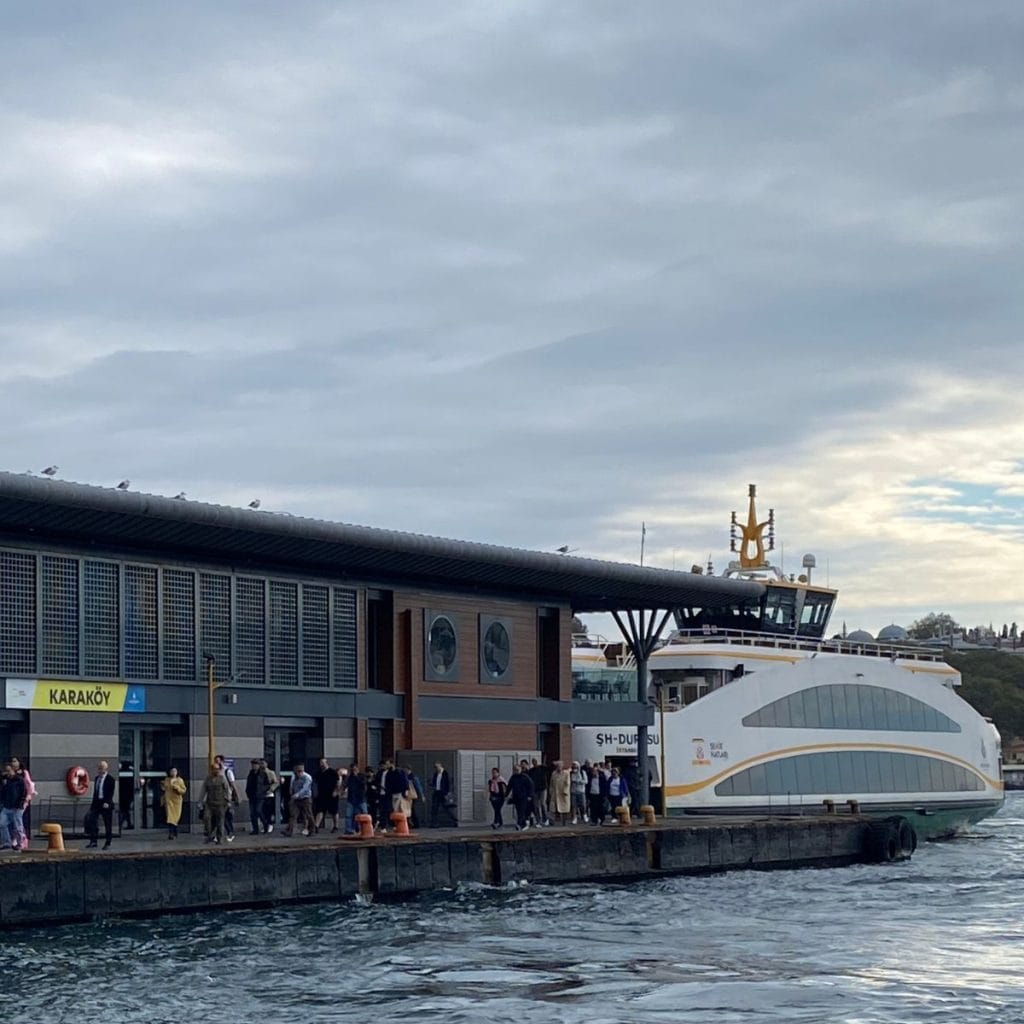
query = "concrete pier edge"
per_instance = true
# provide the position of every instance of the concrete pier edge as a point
(75, 886)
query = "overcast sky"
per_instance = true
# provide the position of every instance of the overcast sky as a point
(535, 273)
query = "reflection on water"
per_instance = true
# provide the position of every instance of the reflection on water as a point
(938, 939)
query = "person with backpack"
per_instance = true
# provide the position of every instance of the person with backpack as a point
(497, 791)
(229, 813)
(520, 796)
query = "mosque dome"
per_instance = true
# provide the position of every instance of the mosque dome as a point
(892, 632)
(860, 636)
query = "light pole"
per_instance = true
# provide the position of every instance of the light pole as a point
(661, 749)
(211, 686)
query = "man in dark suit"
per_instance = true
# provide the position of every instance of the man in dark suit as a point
(440, 787)
(102, 806)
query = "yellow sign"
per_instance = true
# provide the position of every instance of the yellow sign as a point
(61, 695)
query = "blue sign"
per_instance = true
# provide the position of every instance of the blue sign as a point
(135, 699)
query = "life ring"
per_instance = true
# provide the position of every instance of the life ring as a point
(77, 781)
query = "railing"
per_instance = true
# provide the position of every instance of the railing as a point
(745, 638)
(604, 684)
(70, 812)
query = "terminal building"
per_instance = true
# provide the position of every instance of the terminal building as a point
(126, 617)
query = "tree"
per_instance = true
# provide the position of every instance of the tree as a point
(941, 624)
(578, 626)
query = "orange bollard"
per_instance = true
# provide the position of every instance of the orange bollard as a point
(401, 823)
(55, 837)
(365, 823)
(622, 813)
(650, 818)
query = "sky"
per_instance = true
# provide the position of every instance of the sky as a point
(535, 274)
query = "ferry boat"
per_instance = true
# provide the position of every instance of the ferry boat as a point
(761, 714)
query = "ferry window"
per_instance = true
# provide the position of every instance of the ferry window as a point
(879, 704)
(848, 706)
(848, 772)
(812, 713)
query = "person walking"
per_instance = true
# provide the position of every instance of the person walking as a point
(618, 790)
(540, 776)
(415, 794)
(233, 801)
(597, 795)
(172, 797)
(12, 802)
(215, 799)
(325, 798)
(268, 812)
(102, 806)
(301, 811)
(578, 793)
(125, 796)
(521, 796)
(355, 798)
(30, 791)
(561, 792)
(497, 791)
(440, 787)
(254, 796)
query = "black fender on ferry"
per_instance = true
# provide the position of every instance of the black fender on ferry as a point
(890, 839)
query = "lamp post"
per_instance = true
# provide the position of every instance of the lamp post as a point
(661, 749)
(211, 685)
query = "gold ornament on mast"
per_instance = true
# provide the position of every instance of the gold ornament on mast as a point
(752, 535)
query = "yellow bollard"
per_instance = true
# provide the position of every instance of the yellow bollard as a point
(55, 837)
(622, 813)
(649, 816)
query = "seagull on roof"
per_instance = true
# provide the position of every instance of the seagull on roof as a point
(566, 550)
(51, 471)
(124, 485)
(255, 503)
(180, 496)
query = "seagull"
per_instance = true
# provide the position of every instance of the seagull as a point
(255, 503)
(566, 550)
(124, 485)
(51, 471)
(180, 496)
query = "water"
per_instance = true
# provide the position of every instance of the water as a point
(935, 940)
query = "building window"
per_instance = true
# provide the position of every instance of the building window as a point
(284, 634)
(847, 773)
(179, 612)
(495, 650)
(17, 613)
(101, 645)
(441, 647)
(250, 630)
(140, 632)
(215, 622)
(850, 706)
(344, 637)
(315, 636)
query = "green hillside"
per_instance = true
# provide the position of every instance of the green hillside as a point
(994, 685)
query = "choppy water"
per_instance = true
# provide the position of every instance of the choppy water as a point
(939, 939)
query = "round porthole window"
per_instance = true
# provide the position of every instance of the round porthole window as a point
(497, 650)
(442, 645)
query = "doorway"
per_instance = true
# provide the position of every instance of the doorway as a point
(284, 746)
(145, 752)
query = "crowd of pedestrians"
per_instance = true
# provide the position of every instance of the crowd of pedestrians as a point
(548, 795)
(330, 799)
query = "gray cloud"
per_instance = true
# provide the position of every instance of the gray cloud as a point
(510, 272)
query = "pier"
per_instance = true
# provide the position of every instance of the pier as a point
(150, 875)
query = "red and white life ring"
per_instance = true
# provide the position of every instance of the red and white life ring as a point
(77, 781)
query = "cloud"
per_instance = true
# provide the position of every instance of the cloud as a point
(534, 274)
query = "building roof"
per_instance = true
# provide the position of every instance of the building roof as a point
(39, 510)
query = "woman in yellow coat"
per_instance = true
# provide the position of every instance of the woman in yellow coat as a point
(174, 790)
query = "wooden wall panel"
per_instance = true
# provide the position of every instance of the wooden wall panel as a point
(475, 736)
